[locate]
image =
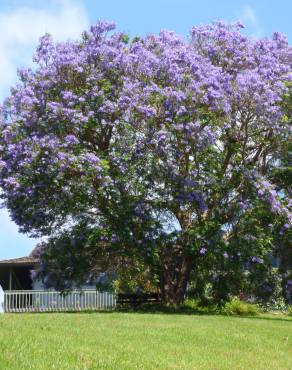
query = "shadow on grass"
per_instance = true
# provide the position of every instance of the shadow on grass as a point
(201, 311)
(160, 309)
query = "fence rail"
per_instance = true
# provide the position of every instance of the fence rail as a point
(136, 299)
(49, 301)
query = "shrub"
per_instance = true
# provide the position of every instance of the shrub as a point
(290, 310)
(240, 308)
(274, 305)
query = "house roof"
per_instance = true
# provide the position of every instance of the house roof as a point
(21, 261)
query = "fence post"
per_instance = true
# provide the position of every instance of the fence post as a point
(1, 300)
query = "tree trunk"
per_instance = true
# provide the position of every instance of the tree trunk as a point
(174, 276)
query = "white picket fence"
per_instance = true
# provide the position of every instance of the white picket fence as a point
(49, 301)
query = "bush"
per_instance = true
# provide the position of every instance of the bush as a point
(240, 308)
(290, 310)
(274, 305)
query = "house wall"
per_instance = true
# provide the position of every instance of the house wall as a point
(38, 285)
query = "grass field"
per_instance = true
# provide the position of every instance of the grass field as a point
(144, 341)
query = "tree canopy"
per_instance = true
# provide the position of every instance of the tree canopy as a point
(158, 149)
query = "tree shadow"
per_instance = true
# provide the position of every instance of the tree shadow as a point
(199, 312)
(203, 312)
(161, 310)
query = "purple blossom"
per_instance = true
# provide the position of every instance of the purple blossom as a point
(257, 259)
(161, 136)
(156, 121)
(203, 251)
(71, 140)
(114, 238)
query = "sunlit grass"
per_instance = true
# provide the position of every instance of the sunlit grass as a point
(144, 341)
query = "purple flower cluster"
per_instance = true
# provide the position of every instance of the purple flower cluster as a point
(267, 191)
(257, 259)
(167, 121)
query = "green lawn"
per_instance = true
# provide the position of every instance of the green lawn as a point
(144, 341)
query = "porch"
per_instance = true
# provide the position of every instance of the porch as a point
(15, 274)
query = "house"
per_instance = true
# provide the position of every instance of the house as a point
(20, 293)
(15, 273)
(23, 294)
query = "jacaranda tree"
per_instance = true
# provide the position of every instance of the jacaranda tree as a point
(154, 149)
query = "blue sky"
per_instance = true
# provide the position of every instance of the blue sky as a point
(23, 21)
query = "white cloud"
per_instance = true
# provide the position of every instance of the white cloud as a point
(21, 27)
(249, 18)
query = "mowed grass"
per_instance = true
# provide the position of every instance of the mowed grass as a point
(144, 341)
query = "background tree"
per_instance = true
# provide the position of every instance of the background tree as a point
(159, 150)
